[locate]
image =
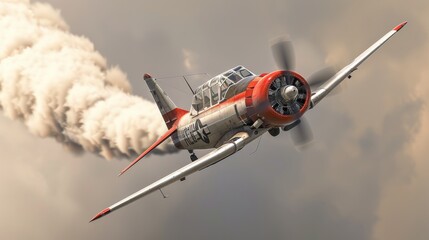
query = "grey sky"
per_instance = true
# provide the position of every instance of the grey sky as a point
(366, 176)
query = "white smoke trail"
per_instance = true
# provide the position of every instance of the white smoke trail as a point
(61, 87)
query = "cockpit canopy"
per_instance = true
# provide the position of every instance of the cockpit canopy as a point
(213, 91)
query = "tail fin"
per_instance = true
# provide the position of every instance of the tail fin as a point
(170, 112)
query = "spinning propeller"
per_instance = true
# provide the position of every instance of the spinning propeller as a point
(292, 92)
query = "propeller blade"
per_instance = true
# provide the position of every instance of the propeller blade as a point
(320, 77)
(301, 134)
(284, 54)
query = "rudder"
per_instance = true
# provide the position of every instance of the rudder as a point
(170, 112)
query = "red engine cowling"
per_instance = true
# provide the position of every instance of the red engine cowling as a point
(277, 98)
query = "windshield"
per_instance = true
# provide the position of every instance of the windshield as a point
(214, 90)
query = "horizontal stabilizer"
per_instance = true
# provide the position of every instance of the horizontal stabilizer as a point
(159, 141)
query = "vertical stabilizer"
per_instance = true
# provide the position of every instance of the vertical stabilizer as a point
(170, 112)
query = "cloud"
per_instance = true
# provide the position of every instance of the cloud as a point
(188, 59)
(62, 88)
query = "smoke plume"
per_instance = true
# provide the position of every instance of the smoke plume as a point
(62, 88)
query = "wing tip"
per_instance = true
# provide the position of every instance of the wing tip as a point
(146, 76)
(128, 167)
(397, 28)
(104, 212)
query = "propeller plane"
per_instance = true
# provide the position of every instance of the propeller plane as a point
(234, 108)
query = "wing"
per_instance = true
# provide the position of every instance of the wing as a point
(230, 147)
(326, 88)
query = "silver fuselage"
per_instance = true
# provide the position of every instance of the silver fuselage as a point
(211, 127)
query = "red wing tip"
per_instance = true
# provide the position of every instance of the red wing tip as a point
(146, 76)
(101, 214)
(122, 172)
(397, 28)
(126, 169)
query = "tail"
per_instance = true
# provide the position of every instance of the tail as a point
(170, 112)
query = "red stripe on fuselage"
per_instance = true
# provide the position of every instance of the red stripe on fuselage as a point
(229, 101)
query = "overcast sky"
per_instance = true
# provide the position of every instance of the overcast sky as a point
(365, 177)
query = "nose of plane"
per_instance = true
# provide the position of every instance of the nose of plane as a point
(278, 98)
(289, 93)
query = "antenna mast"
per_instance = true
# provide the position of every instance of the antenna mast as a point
(192, 90)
